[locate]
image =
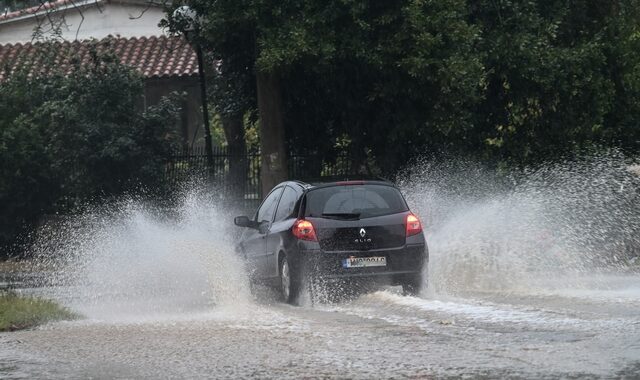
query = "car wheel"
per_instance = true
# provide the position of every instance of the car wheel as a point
(412, 285)
(289, 284)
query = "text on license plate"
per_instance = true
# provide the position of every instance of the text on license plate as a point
(361, 262)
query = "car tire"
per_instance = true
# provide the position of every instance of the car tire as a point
(412, 285)
(289, 282)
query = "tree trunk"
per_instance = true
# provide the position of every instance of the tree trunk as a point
(234, 133)
(272, 139)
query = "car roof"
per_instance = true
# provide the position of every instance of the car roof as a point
(341, 180)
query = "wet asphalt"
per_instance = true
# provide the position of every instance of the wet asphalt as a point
(584, 333)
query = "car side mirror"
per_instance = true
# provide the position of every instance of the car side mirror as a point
(244, 221)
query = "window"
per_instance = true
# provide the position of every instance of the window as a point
(362, 201)
(287, 203)
(265, 213)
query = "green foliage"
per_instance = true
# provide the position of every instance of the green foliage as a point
(18, 312)
(511, 81)
(560, 75)
(65, 139)
(384, 73)
(251, 131)
(405, 81)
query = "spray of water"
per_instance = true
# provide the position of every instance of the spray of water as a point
(531, 231)
(130, 260)
(535, 231)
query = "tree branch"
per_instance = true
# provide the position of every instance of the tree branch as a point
(81, 15)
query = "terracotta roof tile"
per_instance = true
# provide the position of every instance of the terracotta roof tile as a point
(161, 56)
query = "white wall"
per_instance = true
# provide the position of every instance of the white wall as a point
(108, 19)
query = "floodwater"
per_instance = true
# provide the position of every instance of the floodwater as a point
(536, 281)
(379, 335)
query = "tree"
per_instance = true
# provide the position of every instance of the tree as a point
(230, 34)
(370, 71)
(67, 139)
(510, 81)
(232, 97)
(561, 75)
(401, 78)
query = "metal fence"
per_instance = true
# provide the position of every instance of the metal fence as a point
(312, 166)
(240, 172)
(234, 172)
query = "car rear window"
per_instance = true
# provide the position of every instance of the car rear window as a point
(360, 201)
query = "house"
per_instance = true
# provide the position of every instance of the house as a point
(129, 28)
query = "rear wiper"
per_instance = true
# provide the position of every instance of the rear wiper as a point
(342, 215)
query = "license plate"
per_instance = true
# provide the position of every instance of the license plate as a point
(361, 262)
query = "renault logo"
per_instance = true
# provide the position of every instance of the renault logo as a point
(362, 232)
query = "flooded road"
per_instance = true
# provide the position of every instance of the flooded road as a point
(538, 278)
(379, 335)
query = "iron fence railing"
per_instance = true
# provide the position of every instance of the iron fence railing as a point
(313, 166)
(239, 172)
(234, 172)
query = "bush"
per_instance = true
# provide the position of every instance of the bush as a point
(65, 139)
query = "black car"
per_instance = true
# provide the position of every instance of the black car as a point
(355, 229)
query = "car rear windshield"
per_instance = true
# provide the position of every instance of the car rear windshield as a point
(354, 201)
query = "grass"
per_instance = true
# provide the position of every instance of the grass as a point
(20, 312)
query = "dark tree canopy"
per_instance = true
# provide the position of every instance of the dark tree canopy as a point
(65, 139)
(513, 81)
(560, 75)
(387, 78)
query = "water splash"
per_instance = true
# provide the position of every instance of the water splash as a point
(529, 231)
(538, 231)
(129, 259)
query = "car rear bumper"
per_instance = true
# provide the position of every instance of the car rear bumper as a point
(403, 261)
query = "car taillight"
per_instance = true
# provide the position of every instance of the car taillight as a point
(303, 230)
(413, 225)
